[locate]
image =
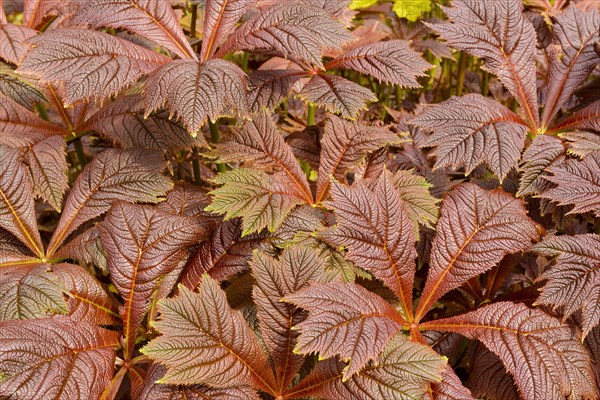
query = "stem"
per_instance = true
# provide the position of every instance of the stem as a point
(462, 69)
(196, 166)
(80, 152)
(193, 21)
(399, 96)
(310, 118)
(245, 58)
(41, 111)
(215, 137)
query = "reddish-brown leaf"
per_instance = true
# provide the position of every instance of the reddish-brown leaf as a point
(55, 359)
(86, 248)
(477, 228)
(543, 152)
(13, 40)
(220, 19)
(48, 165)
(587, 118)
(488, 377)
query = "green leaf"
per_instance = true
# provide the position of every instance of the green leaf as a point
(356, 4)
(412, 10)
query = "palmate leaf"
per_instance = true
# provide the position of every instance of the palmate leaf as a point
(91, 64)
(13, 40)
(582, 144)
(392, 61)
(337, 94)
(124, 122)
(260, 142)
(197, 91)
(87, 300)
(543, 152)
(346, 320)
(572, 58)
(544, 356)
(55, 359)
(477, 228)
(269, 87)
(38, 13)
(187, 200)
(204, 341)
(30, 292)
(297, 30)
(587, 118)
(17, 214)
(154, 20)
(85, 247)
(473, 129)
(376, 230)
(143, 245)
(220, 19)
(224, 255)
(48, 165)
(128, 175)
(573, 283)
(150, 390)
(421, 206)
(401, 372)
(275, 279)
(261, 200)
(578, 184)
(12, 251)
(345, 145)
(17, 88)
(498, 32)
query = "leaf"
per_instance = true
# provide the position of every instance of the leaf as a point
(124, 122)
(296, 30)
(17, 213)
(269, 87)
(578, 184)
(13, 40)
(572, 58)
(224, 255)
(30, 292)
(19, 127)
(55, 358)
(17, 88)
(345, 145)
(337, 95)
(488, 377)
(142, 246)
(582, 144)
(48, 165)
(477, 228)
(544, 356)
(378, 234)
(471, 130)
(261, 200)
(86, 298)
(587, 118)
(450, 388)
(543, 152)
(573, 283)
(12, 251)
(91, 64)
(85, 248)
(499, 33)
(411, 10)
(260, 142)
(340, 315)
(151, 390)
(275, 279)
(189, 201)
(401, 372)
(150, 19)
(221, 18)
(39, 13)
(392, 61)
(197, 92)
(128, 175)
(421, 206)
(204, 341)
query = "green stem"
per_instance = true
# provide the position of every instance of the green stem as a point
(41, 111)
(399, 96)
(462, 69)
(310, 118)
(80, 152)
(245, 58)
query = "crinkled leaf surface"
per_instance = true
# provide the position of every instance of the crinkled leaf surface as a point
(473, 129)
(197, 91)
(269, 87)
(204, 341)
(261, 200)
(128, 175)
(498, 32)
(151, 19)
(421, 206)
(401, 372)
(55, 359)
(48, 165)
(17, 88)
(91, 64)
(12, 251)
(582, 144)
(587, 118)
(296, 30)
(377, 231)
(221, 18)
(545, 357)
(542, 152)
(28, 292)
(142, 246)
(392, 61)
(17, 214)
(450, 388)
(337, 94)
(347, 320)
(345, 145)
(573, 283)
(477, 228)
(578, 184)
(13, 40)
(488, 377)
(85, 247)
